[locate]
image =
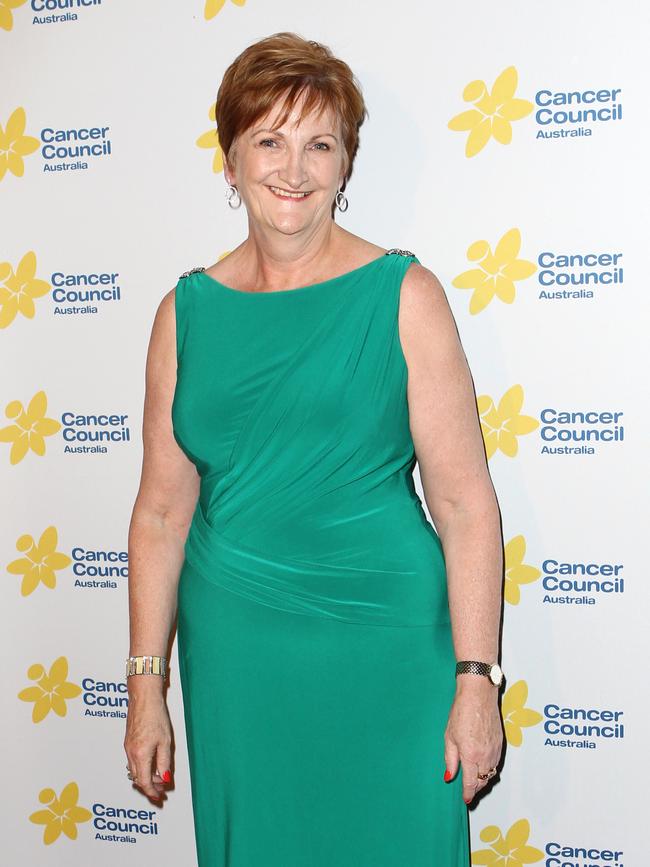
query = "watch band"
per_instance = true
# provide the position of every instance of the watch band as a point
(491, 670)
(473, 667)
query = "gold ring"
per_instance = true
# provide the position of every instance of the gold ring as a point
(488, 774)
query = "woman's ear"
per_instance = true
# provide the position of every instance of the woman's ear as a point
(343, 175)
(229, 168)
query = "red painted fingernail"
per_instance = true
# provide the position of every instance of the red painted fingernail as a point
(447, 776)
(167, 777)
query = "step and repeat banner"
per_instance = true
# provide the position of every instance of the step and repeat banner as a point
(506, 147)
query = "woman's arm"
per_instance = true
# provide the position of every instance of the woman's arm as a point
(461, 500)
(159, 525)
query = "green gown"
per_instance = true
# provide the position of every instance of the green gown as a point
(314, 638)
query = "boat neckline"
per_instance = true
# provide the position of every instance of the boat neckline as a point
(298, 289)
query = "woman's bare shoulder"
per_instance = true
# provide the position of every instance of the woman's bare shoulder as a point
(421, 288)
(163, 328)
(167, 306)
(426, 322)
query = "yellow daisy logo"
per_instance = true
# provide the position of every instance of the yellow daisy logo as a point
(51, 690)
(6, 10)
(496, 273)
(515, 715)
(62, 815)
(40, 561)
(29, 429)
(516, 571)
(502, 424)
(493, 112)
(19, 288)
(14, 144)
(213, 7)
(210, 139)
(509, 851)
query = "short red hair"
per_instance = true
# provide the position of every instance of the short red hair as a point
(278, 69)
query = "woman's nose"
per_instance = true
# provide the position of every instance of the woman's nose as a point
(293, 172)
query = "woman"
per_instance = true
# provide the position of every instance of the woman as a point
(290, 388)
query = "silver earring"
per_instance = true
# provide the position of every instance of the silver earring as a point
(341, 201)
(232, 196)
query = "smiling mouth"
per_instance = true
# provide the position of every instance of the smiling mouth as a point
(285, 194)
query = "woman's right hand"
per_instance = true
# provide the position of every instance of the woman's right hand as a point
(148, 735)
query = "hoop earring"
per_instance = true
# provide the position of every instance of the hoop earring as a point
(232, 195)
(341, 201)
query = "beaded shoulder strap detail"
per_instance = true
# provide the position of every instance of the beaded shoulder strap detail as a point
(191, 271)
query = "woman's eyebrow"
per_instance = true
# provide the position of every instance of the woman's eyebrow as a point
(281, 134)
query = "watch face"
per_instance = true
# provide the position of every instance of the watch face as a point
(496, 675)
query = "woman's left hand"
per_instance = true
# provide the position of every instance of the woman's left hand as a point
(474, 733)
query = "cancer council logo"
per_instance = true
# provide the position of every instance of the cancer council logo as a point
(210, 140)
(503, 423)
(19, 288)
(517, 573)
(6, 12)
(51, 689)
(213, 7)
(509, 850)
(29, 429)
(62, 813)
(15, 144)
(516, 716)
(40, 561)
(495, 273)
(493, 113)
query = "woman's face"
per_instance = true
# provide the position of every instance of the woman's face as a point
(305, 159)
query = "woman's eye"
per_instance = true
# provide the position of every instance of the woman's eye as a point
(269, 142)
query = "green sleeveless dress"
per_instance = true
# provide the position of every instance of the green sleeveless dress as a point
(314, 639)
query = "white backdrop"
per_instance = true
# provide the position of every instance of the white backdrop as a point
(133, 83)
